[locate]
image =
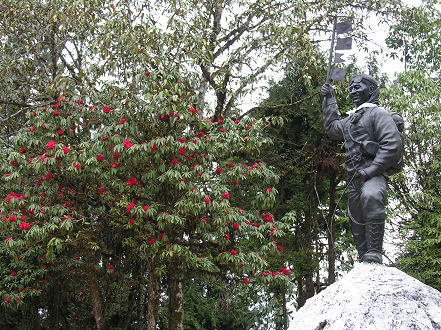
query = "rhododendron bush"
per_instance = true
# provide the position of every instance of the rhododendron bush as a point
(91, 184)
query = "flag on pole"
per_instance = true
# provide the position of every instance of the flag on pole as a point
(343, 27)
(344, 44)
(335, 73)
(338, 58)
(338, 74)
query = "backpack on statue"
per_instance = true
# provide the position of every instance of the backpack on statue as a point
(369, 148)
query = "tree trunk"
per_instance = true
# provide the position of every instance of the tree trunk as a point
(285, 312)
(176, 294)
(301, 299)
(310, 237)
(95, 299)
(154, 292)
(331, 229)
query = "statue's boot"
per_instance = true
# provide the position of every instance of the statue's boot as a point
(374, 239)
(358, 233)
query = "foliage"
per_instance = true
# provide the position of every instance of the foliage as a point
(417, 97)
(417, 35)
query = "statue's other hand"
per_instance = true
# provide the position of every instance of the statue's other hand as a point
(362, 175)
(327, 90)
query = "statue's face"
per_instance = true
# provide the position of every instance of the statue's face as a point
(359, 91)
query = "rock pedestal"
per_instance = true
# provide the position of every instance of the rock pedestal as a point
(372, 296)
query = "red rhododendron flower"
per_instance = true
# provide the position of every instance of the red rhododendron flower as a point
(32, 128)
(233, 252)
(60, 132)
(237, 121)
(280, 248)
(182, 151)
(66, 150)
(147, 74)
(236, 226)
(246, 281)
(14, 163)
(115, 155)
(218, 170)
(225, 195)
(201, 134)
(240, 266)
(106, 109)
(13, 273)
(12, 218)
(132, 181)
(77, 166)
(269, 189)
(122, 121)
(67, 204)
(222, 130)
(164, 118)
(227, 237)
(110, 267)
(131, 221)
(175, 161)
(51, 145)
(43, 281)
(152, 241)
(25, 226)
(100, 158)
(101, 191)
(193, 110)
(130, 207)
(8, 239)
(127, 144)
(104, 138)
(268, 217)
(22, 151)
(207, 200)
(79, 102)
(154, 147)
(220, 121)
(285, 271)
(7, 300)
(56, 113)
(145, 207)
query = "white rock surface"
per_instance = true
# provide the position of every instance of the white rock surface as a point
(372, 296)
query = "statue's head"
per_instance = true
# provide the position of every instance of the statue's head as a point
(363, 88)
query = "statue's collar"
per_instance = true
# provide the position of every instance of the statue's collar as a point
(364, 105)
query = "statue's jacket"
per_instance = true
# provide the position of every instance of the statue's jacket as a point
(367, 127)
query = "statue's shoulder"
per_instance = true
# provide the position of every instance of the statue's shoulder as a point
(378, 111)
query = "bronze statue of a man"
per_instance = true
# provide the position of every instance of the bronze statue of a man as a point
(372, 147)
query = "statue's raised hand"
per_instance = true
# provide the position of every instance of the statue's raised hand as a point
(327, 90)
